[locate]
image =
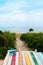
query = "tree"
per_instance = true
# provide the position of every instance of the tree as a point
(31, 29)
(1, 32)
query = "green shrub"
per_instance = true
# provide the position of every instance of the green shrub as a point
(33, 40)
(7, 41)
(3, 52)
(3, 40)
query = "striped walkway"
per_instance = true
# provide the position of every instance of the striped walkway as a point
(23, 58)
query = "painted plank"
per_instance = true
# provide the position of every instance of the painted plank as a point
(37, 58)
(41, 54)
(20, 59)
(6, 59)
(32, 62)
(13, 59)
(24, 61)
(40, 58)
(9, 60)
(17, 60)
(27, 58)
(34, 59)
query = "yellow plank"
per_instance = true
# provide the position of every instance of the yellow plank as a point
(27, 59)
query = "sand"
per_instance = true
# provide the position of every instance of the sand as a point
(1, 62)
(20, 45)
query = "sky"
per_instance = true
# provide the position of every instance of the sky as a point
(21, 13)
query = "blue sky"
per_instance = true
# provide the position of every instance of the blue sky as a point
(21, 13)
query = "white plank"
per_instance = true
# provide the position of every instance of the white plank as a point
(24, 61)
(41, 54)
(6, 59)
(9, 60)
(17, 59)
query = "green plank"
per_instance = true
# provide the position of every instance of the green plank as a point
(34, 59)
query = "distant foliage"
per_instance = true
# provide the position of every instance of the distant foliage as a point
(31, 29)
(7, 41)
(1, 32)
(33, 40)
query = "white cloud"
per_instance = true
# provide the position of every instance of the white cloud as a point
(15, 14)
(35, 16)
(35, 3)
(9, 6)
(18, 15)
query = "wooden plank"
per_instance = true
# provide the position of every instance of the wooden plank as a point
(24, 61)
(17, 60)
(6, 59)
(27, 59)
(20, 59)
(9, 60)
(40, 58)
(37, 58)
(32, 62)
(34, 59)
(13, 59)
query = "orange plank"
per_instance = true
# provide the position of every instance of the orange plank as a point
(20, 59)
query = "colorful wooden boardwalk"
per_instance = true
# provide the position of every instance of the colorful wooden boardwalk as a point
(23, 58)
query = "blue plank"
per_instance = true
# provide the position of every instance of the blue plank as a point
(12, 52)
(42, 52)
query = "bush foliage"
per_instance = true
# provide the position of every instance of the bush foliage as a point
(7, 41)
(33, 40)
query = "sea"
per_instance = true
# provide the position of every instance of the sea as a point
(21, 29)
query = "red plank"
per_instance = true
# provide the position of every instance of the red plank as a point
(13, 59)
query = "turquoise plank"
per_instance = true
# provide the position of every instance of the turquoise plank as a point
(12, 52)
(40, 58)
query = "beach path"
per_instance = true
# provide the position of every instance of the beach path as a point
(20, 45)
